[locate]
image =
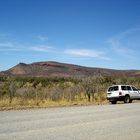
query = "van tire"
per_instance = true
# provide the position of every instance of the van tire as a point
(127, 99)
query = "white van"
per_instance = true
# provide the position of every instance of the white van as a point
(125, 93)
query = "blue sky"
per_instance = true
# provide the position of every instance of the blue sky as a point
(94, 33)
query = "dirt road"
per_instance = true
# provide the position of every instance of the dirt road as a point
(103, 122)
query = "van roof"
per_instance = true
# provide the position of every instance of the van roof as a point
(120, 85)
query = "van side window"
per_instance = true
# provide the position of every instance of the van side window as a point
(110, 89)
(129, 88)
(134, 89)
(123, 87)
(116, 88)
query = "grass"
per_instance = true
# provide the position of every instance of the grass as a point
(20, 103)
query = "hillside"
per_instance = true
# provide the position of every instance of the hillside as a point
(51, 68)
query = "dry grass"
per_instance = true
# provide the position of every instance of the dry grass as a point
(19, 103)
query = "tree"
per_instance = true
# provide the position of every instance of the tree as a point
(12, 90)
(88, 87)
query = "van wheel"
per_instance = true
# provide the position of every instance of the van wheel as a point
(127, 99)
(113, 102)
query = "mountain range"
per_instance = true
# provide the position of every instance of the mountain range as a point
(56, 69)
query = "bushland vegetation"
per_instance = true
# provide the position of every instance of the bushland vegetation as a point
(17, 92)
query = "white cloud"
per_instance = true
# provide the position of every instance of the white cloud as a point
(7, 43)
(4, 36)
(119, 46)
(42, 48)
(86, 53)
(8, 46)
(82, 53)
(42, 38)
(127, 32)
(125, 42)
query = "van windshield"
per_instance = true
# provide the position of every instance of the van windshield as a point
(134, 89)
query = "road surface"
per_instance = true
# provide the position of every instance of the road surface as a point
(103, 122)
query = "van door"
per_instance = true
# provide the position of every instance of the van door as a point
(130, 92)
(124, 90)
(135, 92)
